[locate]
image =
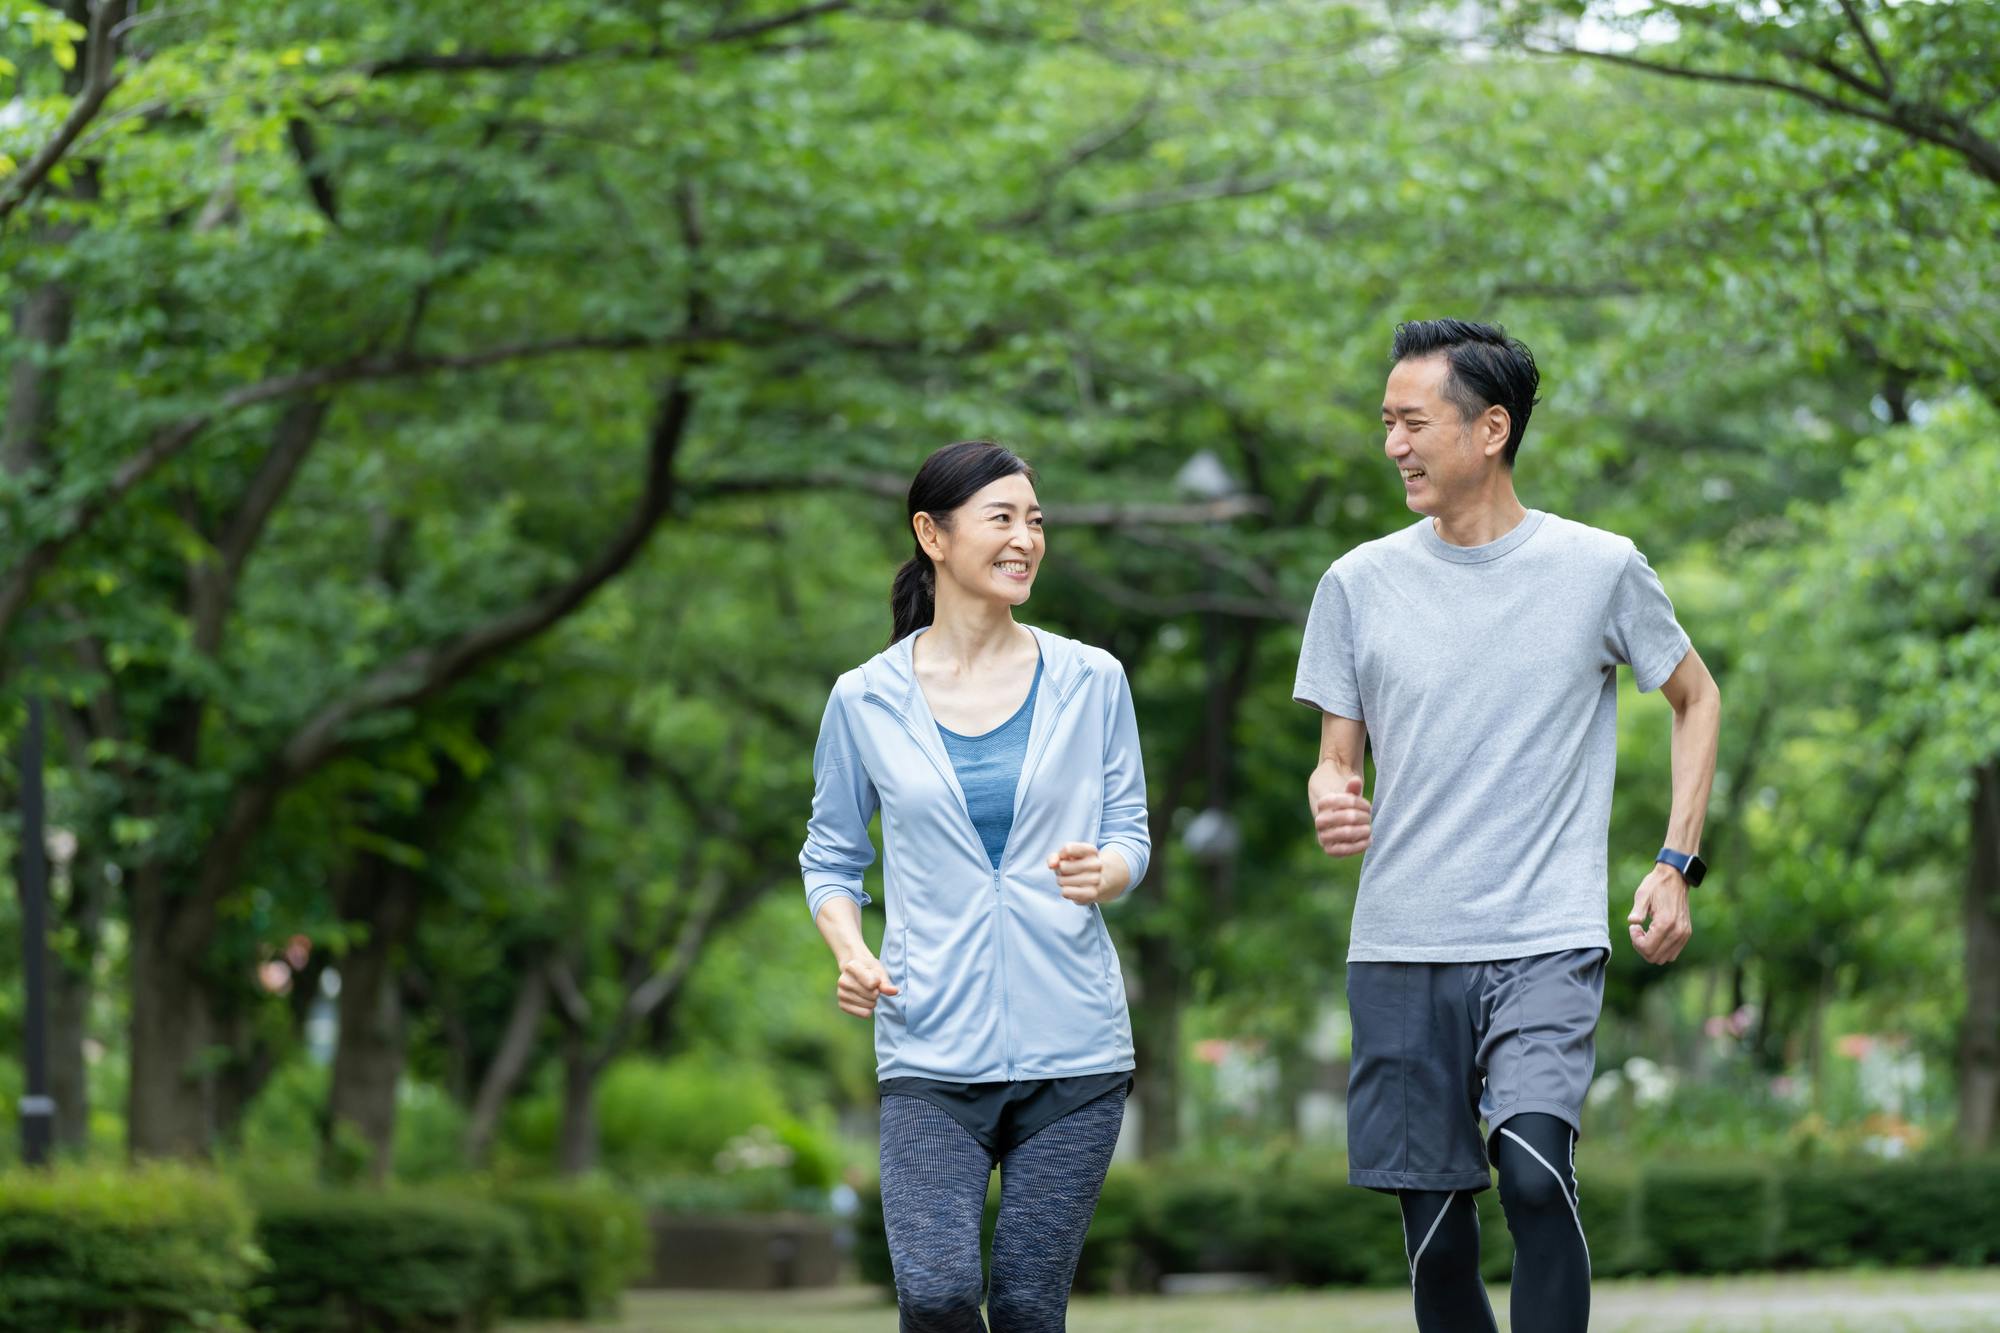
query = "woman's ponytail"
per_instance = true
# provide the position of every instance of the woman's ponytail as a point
(913, 596)
(948, 478)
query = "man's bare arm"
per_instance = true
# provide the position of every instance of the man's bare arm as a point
(1659, 923)
(1342, 817)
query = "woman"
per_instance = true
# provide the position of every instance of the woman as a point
(1005, 763)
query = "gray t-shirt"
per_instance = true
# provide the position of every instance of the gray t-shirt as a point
(1487, 677)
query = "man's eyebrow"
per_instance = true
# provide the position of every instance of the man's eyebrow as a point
(1413, 410)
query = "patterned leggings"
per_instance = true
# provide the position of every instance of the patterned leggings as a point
(933, 1196)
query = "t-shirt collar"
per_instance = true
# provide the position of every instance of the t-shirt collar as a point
(1479, 555)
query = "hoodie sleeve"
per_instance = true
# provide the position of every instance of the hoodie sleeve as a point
(1123, 824)
(837, 848)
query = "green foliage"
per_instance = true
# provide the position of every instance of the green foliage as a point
(1920, 1213)
(157, 1250)
(693, 1115)
(391, 1261)
(584, 1243)
(1120, 243)
(1708, 1218)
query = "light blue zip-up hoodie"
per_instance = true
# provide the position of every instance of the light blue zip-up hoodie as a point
(1002, 977)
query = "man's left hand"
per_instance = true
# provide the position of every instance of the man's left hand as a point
(1659, 924)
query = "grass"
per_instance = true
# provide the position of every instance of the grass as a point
(1954, 1301)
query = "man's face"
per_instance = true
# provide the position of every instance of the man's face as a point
(1441, 456)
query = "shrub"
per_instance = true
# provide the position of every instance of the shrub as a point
(1709, 1218)
(343, 1259)
(584, 1244)
(1915, 1213)
(149, 1250)
(690, 1115)
(1318, 1230)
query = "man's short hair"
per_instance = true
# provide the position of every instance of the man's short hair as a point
(1487, 369)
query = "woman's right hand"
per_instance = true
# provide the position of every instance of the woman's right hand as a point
(861, 981)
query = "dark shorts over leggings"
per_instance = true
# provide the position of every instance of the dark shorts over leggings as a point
(1440, 1046)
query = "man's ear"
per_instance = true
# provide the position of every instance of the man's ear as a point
(1494, 426)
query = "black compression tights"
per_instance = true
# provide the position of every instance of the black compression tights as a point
(1551, 1261)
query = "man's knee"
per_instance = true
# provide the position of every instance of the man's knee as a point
(1529, 1184)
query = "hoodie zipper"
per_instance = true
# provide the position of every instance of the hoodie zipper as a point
(999, 917)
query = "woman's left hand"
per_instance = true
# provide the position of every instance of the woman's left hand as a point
(1083, 876)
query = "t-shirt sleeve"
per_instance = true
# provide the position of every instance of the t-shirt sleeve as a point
(1327, 677)
(1639, 628)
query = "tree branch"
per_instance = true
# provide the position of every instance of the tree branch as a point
(169, 441)
(1107, 514)
(1860, 27)
(100, 77)
(1086, 148)
(459, 62)
(319, 181)
(213, 583)
(575, 1008)
(510, 1061)
(1171, 608)
(1928, 124)
(426, 671)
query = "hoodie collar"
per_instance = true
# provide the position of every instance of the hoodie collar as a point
(891, 674)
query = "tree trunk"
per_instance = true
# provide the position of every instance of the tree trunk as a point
(1979, 1042)
(170, 1108)
(1156, 1038)
(510, 1061)
(368, 1056)
(70, 991)
(576, 1152)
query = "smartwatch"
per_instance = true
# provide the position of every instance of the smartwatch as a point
(1692, 867)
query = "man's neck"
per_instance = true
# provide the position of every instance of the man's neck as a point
(1485, 519)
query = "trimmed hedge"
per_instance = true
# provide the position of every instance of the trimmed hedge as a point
(1890, 1215)
(151, 1250)
(349, 1259)
(584, 1244)
(1307, 1226)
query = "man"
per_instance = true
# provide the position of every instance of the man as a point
(1476, 651)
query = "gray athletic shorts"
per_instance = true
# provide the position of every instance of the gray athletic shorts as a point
(1440, 1046)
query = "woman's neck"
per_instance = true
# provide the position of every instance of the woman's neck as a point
(968, 633)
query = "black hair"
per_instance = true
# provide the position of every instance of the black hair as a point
(948, 478)
(1487, 369)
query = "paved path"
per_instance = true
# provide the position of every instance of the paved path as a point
(1947, 1301)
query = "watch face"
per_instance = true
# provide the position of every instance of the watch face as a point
(1696, 870)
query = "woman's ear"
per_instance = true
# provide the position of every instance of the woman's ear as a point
(928, 539)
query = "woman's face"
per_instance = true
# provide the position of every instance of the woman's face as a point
(994, 544)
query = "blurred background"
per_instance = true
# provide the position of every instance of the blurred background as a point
(451, 450)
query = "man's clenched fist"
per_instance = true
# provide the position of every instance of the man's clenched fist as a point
(1343, 820)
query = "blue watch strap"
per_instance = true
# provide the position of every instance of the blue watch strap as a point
(1681, 861)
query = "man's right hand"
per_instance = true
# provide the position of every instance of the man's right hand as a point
(1344, 820)
(861, 980)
